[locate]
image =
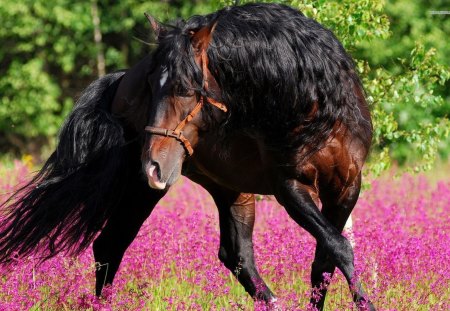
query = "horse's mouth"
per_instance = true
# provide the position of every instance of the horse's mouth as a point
(154, 180)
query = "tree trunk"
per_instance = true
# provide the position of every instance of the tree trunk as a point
(98, 39)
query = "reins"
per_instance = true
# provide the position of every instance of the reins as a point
(177, 133)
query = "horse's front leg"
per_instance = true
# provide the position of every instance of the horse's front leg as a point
(133, 208)
(236, 246)
(237, 217)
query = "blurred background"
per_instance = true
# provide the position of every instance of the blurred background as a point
(52, 49)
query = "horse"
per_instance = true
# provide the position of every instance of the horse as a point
(94, 187)
(93, 183)
(261, 99)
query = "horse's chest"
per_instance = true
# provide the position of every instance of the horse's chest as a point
(239, 165)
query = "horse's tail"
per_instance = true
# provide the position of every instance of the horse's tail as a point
(69, 200)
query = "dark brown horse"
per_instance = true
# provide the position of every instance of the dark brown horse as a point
(261, 99)
(252, 99)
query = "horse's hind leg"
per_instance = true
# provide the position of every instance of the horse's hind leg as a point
(336, 209)
(333, 249)
(134, 207)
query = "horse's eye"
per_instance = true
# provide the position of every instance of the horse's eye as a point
(181, 91)
(149, 80)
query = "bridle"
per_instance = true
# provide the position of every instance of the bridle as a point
(177, 133)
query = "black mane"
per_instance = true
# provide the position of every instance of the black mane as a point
(273, 65)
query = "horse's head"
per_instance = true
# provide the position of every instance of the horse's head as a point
(181, 86)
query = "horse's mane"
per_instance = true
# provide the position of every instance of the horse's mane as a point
(279, 72)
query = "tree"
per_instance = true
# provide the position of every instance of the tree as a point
(50, 51)
(417, 35)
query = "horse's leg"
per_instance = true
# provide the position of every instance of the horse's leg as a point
(336, 209)
(132, 210)
(332, 248)
(237, 217)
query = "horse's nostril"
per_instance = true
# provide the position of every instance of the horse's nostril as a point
(154, 171)
(154, 176)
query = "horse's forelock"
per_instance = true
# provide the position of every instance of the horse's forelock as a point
(175, 52)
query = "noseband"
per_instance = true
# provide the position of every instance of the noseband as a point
(177, 132)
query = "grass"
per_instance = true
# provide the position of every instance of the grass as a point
(400, 229)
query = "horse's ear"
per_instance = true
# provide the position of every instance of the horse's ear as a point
(157, 27)
(201, 39)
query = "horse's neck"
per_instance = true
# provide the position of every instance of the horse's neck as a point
(131, 102)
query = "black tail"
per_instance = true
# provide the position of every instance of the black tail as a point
(63, 207)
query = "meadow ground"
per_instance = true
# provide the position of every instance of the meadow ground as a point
(401, 229)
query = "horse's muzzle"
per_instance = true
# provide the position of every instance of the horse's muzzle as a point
(154, 177)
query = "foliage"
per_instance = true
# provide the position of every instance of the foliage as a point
(403, 106)
(410, 21)
(401, 253)
(22, 85)
(416, 43)
(48, 55)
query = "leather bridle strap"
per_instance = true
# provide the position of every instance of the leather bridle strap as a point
(171, 133)
(177, 132)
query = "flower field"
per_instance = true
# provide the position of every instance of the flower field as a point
(401, 231)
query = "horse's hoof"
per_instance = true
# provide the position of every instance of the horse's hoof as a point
(273, 305)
